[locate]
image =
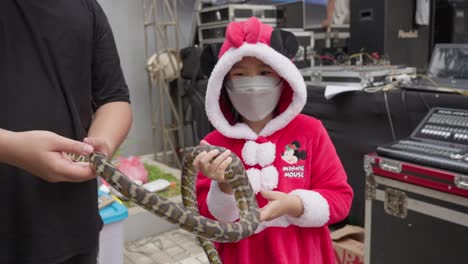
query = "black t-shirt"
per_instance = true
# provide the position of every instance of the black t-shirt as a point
(58, 64)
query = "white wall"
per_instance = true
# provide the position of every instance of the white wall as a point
(126, 19)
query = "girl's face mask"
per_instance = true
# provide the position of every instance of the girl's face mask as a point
(254, 97)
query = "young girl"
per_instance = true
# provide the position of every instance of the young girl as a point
(254, 98)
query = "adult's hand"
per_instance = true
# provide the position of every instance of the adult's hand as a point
(99, 144)
(326, 23)
(42, 154)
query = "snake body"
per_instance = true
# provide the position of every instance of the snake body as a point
(187, 215)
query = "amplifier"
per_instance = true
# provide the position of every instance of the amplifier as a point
(213, 21)
(305, 54)
(212, 34)
(290, 15)
(388, 27)
(215, 33)
(364, 76)
(334, 38)
(451, 22)
(236, 12)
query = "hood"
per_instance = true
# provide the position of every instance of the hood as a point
(274, 47)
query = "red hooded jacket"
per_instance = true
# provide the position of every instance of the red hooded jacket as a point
(292, 154)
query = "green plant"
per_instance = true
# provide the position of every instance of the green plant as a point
(155, 173)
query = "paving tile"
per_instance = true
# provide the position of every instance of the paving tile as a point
(173, 247)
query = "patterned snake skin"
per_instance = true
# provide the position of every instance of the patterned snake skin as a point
(188, 217)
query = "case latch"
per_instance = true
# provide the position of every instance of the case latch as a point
(395, 203)
(368, 161)
(371, 186)
(390, 165)
(461, 181)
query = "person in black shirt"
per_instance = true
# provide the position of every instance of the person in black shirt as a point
(61, 83)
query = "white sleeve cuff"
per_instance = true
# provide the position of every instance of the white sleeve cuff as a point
(221, 205)
(316, 209)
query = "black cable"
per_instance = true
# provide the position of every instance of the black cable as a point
(389, 116)
(424, 102)
(405, 107)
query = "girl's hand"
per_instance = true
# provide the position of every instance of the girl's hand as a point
(280, 204)
(214, 166)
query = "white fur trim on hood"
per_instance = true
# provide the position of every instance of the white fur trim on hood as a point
(281, 64)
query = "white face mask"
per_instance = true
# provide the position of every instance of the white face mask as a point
(254, 97)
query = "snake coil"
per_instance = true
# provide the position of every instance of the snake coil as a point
(187, 215)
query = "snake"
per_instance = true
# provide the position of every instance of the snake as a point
(186, 215)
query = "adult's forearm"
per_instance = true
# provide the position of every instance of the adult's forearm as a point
(330, 8)
(6, 141)
(111, 123)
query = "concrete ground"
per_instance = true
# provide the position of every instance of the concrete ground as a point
(176, 246)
